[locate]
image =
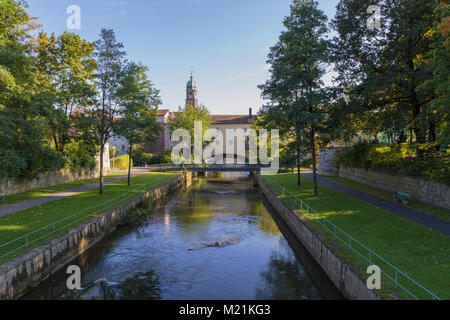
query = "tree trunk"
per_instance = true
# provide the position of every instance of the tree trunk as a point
(129, 164)
(55, 140)
(432, 132)
(298, 159)
(102, 149)
(313, 154)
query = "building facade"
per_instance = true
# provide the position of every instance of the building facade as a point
(223, 123)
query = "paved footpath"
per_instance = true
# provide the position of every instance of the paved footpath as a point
(426, 220)
(19, 206)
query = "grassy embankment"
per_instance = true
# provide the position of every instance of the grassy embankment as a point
(84, 205)
(413, 203)
(419, 252)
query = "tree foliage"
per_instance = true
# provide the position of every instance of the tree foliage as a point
(298, 63)
(138, 118)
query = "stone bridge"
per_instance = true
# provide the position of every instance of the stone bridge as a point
(208, 167)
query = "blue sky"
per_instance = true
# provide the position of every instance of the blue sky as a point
(225, 42)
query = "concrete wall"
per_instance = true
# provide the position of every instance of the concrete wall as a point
(431, 192)
(47, 179)
(30, 268)
(341, 274)
(326, 165)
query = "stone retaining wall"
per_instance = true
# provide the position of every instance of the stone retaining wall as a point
(326, 165)
(341, 274)
(10, 186)
(43, 180)
(431, 192)
(32, 267)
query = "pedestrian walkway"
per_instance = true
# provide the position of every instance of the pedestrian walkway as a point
(402, 211)
(19, 206)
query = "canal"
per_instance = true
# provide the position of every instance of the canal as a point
(217, 240)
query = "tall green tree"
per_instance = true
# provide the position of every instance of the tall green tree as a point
(440, 63)
(138, 119)
(186, 117)
(109, 75)
(24, 151)
(382, 69)
(65, 69)
(299, 61)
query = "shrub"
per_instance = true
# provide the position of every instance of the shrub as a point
(141, 157)
(162, 157)
(307, 163)
(80, 155)
(433, 163)
(113, 151)
(385, 157)
(354, 156)
(121, 163)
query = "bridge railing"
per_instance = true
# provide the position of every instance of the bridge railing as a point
(225, 166)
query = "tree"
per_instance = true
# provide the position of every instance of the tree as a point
(440, 62)
(383, 69)
(271, 117)
(298, 63)
(186, 117)
(140, 101)
(109, 76)
(24, 151)
(66, 69)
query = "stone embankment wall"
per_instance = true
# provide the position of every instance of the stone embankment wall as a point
(32, 267)
(348, 282)
(10, 186)
(431, 192)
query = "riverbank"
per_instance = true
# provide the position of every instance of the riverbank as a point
(418, 252)
(341, 274)
(32, 267)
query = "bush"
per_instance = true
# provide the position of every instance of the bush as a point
(121, 163)
(162, 157)
(80, 155)
(113, 151)
(354, 156)
(140, 157)
(425, 160)
(307, 163)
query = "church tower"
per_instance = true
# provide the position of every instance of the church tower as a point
(191, 93)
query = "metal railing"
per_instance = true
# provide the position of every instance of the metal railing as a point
(26, 240)
(397, 277)
(205, 166)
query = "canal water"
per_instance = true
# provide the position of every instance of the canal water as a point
(217, 240)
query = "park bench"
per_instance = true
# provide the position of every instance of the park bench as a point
(402, 196)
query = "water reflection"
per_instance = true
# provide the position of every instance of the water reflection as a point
(215, 241)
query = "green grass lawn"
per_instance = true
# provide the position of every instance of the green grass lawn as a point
(14, 198)
(413, 204)
(421, 253)
(86, 204)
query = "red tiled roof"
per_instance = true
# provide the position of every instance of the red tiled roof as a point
(233, 119)
(163, 112)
